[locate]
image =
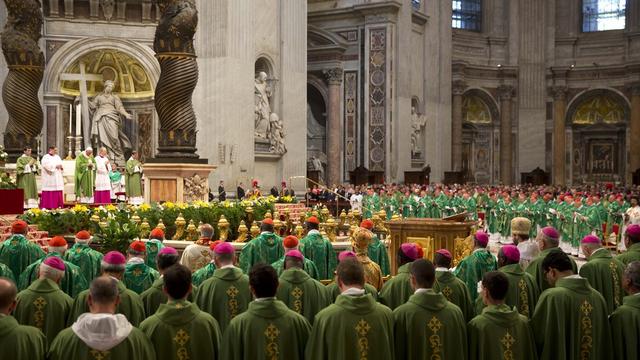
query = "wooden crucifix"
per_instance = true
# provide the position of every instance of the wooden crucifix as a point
(83, 78)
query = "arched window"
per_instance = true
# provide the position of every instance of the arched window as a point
(467, 14)
(602, 15)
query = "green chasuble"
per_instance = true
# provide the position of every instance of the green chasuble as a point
(133, 178)
(333, 290)
(570, 322)
(153, 248)
(522, 294)
(501, 333)
(632, 254)
(154, 296)
(309, 267)
(267, 330)
(605, 275)
(179, 330)
(225, 295)
(21, 342)
(265, 248)
(302, 294)
(85, 178)
(6, 272)
(455, 291)
(87, 259)
(471, 269)
(355, 327)
(320, 251)
(202, 274)
(17, 253)
(378, 253)
(27, 180)
(397, 290)
(429, 327)
(73, 282)
(625, 329)
(44, 306)
(139, 277)
(535, 268)
(130, 306)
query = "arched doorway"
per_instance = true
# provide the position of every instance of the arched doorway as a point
(479, 131)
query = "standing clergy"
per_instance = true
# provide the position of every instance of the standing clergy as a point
(17, 252)
(192, 333)
(299, 291)
(204, 273)
(133, 179)
(450, 286)
(154, 245)
(20, 342)
(528, 249)
(632, 243)
(138, 276)
(499, 332)
(43, 304)
(268, 329)
(102, 333)
(334, 290)
(291, 243)
(198, 254)
(428, 315)
(603, 271)
(226, 294)
(356, 327)
(472, 268)
(398, 289)
(102, 195)
(625, 321)
(548, 241)
(570, 319)
(360, 241)
(377, 249)
(84, 257)
(52, 181)
(26, 170)
(266, 248)
(85, 176)
(155, 295)
(318, 249)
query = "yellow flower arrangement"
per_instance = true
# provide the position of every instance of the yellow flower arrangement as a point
(111, 208)
(144, 207)
(169, 205)
(80, 208)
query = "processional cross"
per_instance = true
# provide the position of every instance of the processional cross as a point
(83, 78)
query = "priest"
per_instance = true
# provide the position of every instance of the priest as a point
(83, 256)
(603, 272)
(52, 181)
(450, 286)
(445, 325)
(291, 243)
(154, 296)
(85, 176)
(528, 249)
(377, 249)
(625, 321)
(334, 290)
(398, 289)
(17, 252)
(360, 241)
(548, 241)
(26, 170)
(102, 333)
(265, 248)
(133, 180)
(207, 271)
(198, 254)
(154, 245)
(318, 249)
(102, 195)
(471, 269)
(632, 244)
(138, 276)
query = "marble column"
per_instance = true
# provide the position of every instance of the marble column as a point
(334, 135)
(506, 93)
(634, 129)
(559, 135)
(457, 89)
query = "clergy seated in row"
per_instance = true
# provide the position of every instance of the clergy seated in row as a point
(548, 240)
(51, 195)
(102, 193)
(334, 290)
(299, 291)
(84, 257)
(360, 241)
(450, 286)
(154, 296)
(266, 248)
(428, 315)
(205, 272)
(603, 272)
(500, 332)
(17, 252)
(397, 290)
(319, 250)
(268, 329)
(471, 269)
(179, 329)
(102, 333)
(154, 245)
(198, 254)
(43, 305)
(22, 342)
(377, 249)
(291, 243)
(632, 243)
(355, 326)
(73, 282)
(138, 276)
(625, 321)
(520, 232)
(523, 292)
(133, 180)
(85, 176)
(570, 319)
(226, 294)
(26, 169)
(129, 303)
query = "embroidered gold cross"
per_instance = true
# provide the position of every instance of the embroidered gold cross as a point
(586, 308)
(508, 340)
(363, 327)
(40, 303)
(99, 355)
(434, 324)
(232, 291)
(272, 332)
(297, 293)
(447, 292)
(181, 337)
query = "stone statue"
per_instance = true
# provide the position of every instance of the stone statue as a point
(316, 165)
(418, 122)
(263, 109)
(106, 123)
(276, 135)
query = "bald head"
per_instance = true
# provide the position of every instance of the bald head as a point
(631, 280)
(103, 295)
(8, 292)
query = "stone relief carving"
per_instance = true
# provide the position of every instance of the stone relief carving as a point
(107, 8)
(276, 135)
(418, 123)
(269, 129)
(195, 188)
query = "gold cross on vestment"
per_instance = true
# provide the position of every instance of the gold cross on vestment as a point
(99, 355)
(272, 332)
(434, 324)
(297, 292)
(232, 291)
(508, 341)
(40, 303)
(447, 292)
(586, 308)
(182, 337)
(363, 327)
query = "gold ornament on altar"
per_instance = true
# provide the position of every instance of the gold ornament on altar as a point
(255, 230)
(299, 231)
(324, 212)
(103, 224)
(330, 228)
(180, 224)
(352, 230)
(223, 228)
(95, 218)
(145, 228)
(315, 213)
(302, 218)
(462, 249)
(161, 225)
(343, 218)
(192, 231)
(396, 217)
(276, 215)
(243, 235)
(268, 215)
(136, 219)
(277, 225)
(249, 211)
(356, 217)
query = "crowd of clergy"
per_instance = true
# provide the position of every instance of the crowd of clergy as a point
(297, 299)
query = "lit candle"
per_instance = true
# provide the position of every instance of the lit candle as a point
(70, 118)
(78, 120)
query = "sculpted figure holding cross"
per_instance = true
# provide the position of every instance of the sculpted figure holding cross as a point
(106, 124)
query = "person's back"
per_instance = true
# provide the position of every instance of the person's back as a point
(154, 296)
(625, 321)
(319, 250)
(84, 257)
(73, 282)
(197, 255)
(17, 252)
(450, 286)
(298, 290)
(265, 248)
(397, 290)
(138, 276)
(603, 272)
(549, 237)
(632, 243)
(471, 269)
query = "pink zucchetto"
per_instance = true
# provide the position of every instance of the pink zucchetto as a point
(168, 251)
(590, 239)
(54, 262)
(346, 254)
(296, 254)
(445, 253)
(482, 238)
(511, 252)
(114, 258)
(550, 232)
(224, 248)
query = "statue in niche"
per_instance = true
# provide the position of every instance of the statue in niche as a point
(106, 124)
(315, 164)
(263, 94)
(276, 134)
(418, 122)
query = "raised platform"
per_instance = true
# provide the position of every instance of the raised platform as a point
(176, 182)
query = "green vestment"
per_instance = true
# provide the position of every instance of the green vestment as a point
(154, 296)
(27, 180)
(224, 296)
(87, 259)
(632, 254)
(309, 267)
(397, 290)
(45, 306)
(302, 294)
(471, 269)
(320, 251)
(130, 306)
(202, 274)
(501, 333)
(535, 268)
(605, 275)
(73, 282)
(139, 277)
(85, 178)
(133, 178)
(522, 294)
(267, 330)
(455, 291)
(17, 253)
(570, 322)
(7, 273)
(355, 327)
(265, 248)
(179, 330)
(378, 254)
(625, 329)
(21, 342)
(153, 248)
(333, 290)
(429, 327)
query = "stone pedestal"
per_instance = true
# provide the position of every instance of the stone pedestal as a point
(176, 182)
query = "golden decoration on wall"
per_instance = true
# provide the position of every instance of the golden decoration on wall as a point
(600, 109)
(475, 110)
